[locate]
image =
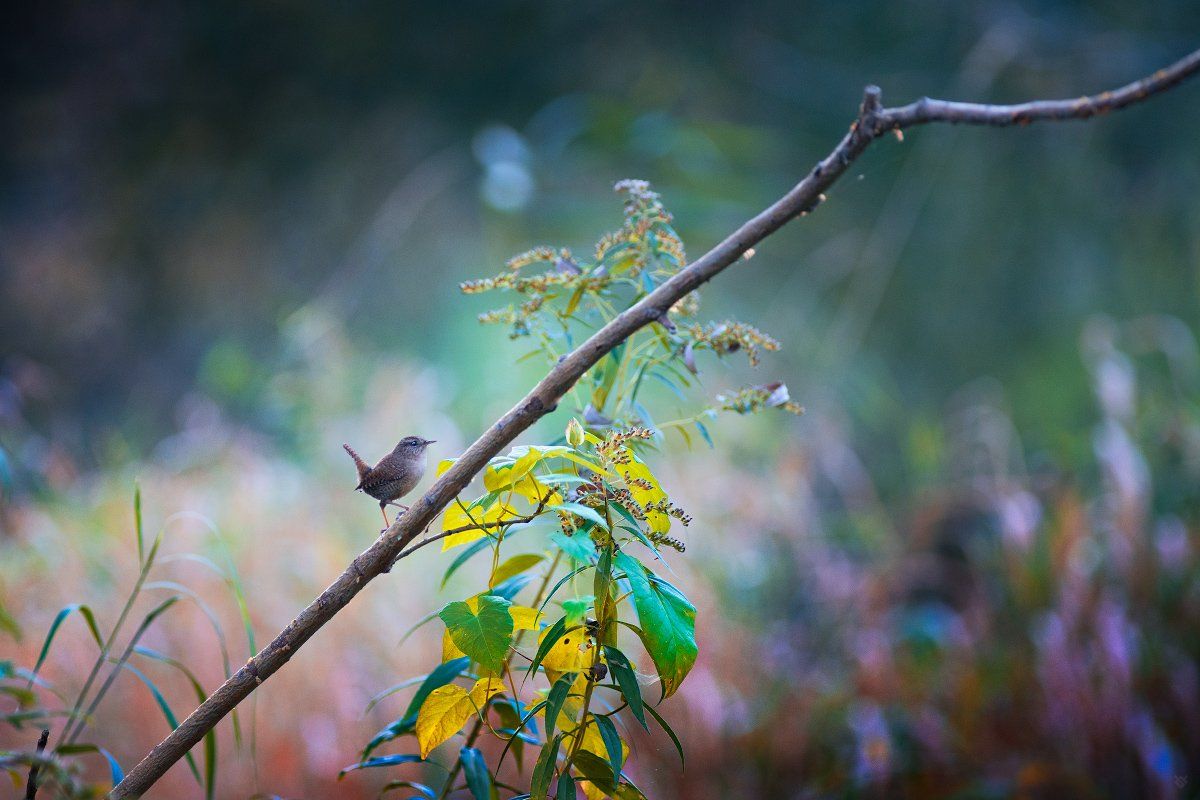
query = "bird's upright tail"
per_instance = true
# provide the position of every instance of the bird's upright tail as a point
(362, 466)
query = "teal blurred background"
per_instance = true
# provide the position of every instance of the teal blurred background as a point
(231, 236)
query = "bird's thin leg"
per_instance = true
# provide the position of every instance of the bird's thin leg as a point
(398, 505)
(384, 512)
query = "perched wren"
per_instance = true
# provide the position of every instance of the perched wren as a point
(396, 473)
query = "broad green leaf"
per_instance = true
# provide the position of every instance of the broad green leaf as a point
(622, 672)
(448, 708)
(668, 622)
(484, 634)
(566, 786)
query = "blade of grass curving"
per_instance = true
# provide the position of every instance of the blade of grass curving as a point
(416, 626)
(205, 608)
(147, 621)
(391, 690)
(75, 723)
(210, 738)
(137, 522)
(89, 618)
(167, 712)
(233, 581)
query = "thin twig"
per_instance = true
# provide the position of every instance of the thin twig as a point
(873, 121)
(35, 767)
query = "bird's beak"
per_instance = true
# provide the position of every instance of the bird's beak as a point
(430, 441)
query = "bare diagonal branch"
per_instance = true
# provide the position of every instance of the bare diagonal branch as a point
(872, 122)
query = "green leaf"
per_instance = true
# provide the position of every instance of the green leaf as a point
(556, 698)
(165, 708)
(582, 511)
(381, 761)
(566, 786)
(137, 523)
(612, 744)
(439, 677)
(578, 547)
(543, 770)
(622, 672)
(704, 432)
(479, 780)
(671, 733)
(556, 632)
(484, 635)
(515, 566)
(596, 770)
(668, 622)
(575, 608)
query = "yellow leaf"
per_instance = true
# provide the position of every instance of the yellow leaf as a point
(524, 618)
(457, 516)
(445, 464)
(448, 708)
(568, 653)
(637, 470)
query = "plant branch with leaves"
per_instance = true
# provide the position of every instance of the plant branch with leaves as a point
(635, 282)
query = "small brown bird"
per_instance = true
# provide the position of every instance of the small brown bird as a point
(396, 473)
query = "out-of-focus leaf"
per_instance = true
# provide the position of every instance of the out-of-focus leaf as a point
(579, 547)
(392, 786)
(381, 761)
(114, 769)
(479, 780)
(483, 544)
(515, 566)
(668, 622)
